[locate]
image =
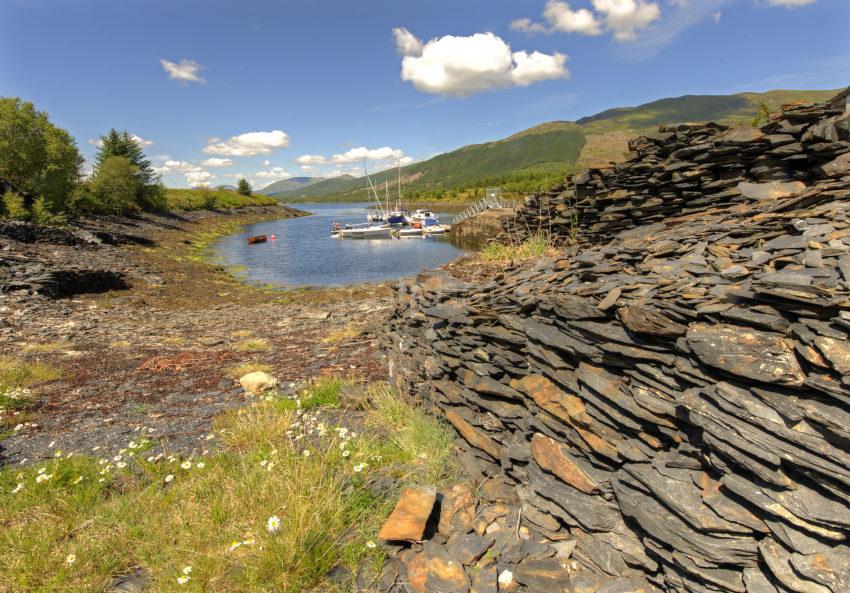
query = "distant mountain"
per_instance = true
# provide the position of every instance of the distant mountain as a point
(529, 159)
(227, 187)
(292, 183)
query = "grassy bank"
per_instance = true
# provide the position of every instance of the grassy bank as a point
(290, 496)
(212, 199)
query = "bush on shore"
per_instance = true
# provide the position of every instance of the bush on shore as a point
(41, 174)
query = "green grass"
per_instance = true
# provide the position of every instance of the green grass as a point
(208, 199)
(15, 373)
(323, 392)
(253, 345)
(17, 377)
(532, 248)
(113, 517)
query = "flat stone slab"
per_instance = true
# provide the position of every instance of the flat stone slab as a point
(409, 519)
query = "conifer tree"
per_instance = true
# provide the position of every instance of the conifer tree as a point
(122, 143)
(243, 187)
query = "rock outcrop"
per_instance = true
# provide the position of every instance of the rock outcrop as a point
(691, 168)
(674, 399)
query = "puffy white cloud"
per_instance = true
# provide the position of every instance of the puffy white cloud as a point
(405, 161)
(625, 17)
(462, 66)
(790, 3)
(248, 144)
(622, 18)
(564, 19)
(266, 163)
(311, 159)
(217, 162)
(183, 71)
(716, 16)
(274, 173)
(310, 170)
(355, 155)
(199, 177)
(173, 166)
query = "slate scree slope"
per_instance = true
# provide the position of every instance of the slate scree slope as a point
(673, 397)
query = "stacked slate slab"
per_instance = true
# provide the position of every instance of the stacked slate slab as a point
(675, 398)
(689, 168)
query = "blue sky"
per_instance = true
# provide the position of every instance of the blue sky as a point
(271, 89)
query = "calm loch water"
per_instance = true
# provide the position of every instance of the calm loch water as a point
(305, 254)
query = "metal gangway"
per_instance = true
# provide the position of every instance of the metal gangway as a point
(492, 199)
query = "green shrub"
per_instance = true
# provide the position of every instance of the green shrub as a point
(243, 188)
(36, 157)
(115, 184)
(12, 207)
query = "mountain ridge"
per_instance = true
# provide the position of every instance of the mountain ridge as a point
(522, 161)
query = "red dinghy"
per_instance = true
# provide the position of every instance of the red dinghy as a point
(257, 239)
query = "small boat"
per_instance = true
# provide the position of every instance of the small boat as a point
(422, 216)
(396, 217)
(375, 217)
(409, 232)
(361, 231)
(436, 229)
(257, 239)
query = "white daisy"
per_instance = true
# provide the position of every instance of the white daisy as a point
(70, 559)
(169, 477)
(273, 524)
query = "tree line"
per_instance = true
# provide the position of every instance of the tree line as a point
(41, 176)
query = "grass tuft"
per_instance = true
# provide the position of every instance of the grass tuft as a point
(532, 248)
(253, 345)
(16, 373)
(243, 369)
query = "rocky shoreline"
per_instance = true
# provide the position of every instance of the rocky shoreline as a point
(664, 410)
(146, 333)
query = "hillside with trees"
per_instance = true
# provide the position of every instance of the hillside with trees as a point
(529, 160)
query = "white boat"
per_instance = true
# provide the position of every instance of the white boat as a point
(408, 232)
(361, 231)
(422, 216)
(375, 217)
(437, 229)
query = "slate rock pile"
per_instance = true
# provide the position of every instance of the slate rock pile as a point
(674, 401)
(687, 168)
(21, 272)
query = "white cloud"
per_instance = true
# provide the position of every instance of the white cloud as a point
(310, 170)
(267, 163)
(406, 42)
(173, 166)
(716, 16)
(248, 144)
(141, 141)
(462, 66)
(183, 71)
(625, 17)
(311, 159)
(355, 155)
(790, 3)
(275, 173)
(564, 19)
(528, 26)
(199, 177)
(217, 162)
(622, 18)
(405, 160)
